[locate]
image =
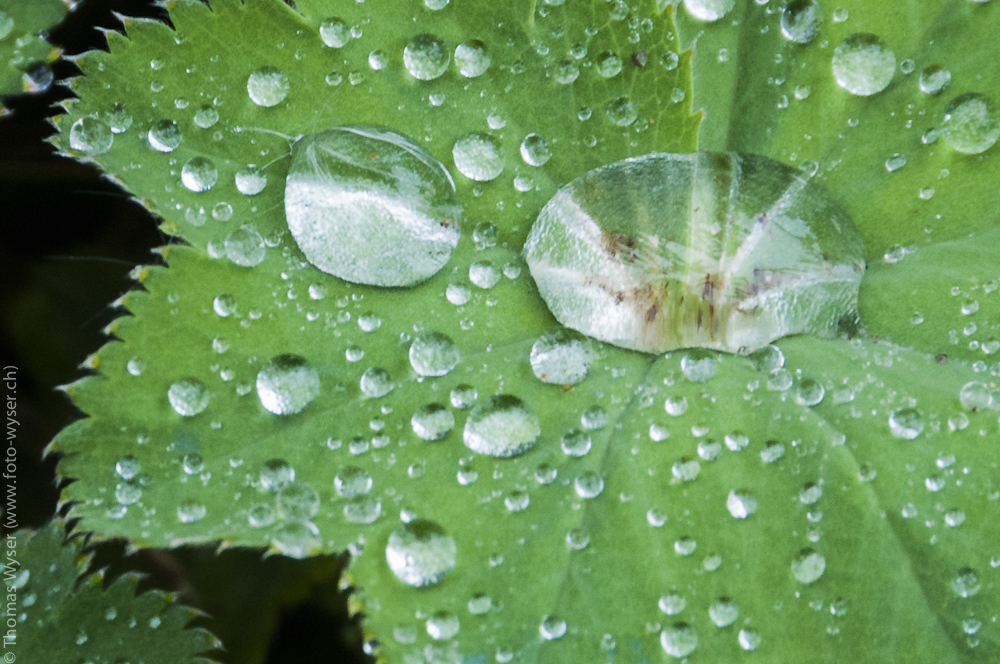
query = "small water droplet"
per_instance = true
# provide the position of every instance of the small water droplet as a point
(432, 422)
(334, 32)
(376, 382)
(679, 640)
(480, 604)
(863, 64)
(608, 64)
(276, 473)
(966, 583)
(420, 553)
(808, 566)
(535, 150)
(164, 136)
(245, 247)
(483, 274)
(297, 501)
(472, 58)
(188, 396)
(91, 136)
(501, 426)
(127, 467)
(934, 79)
(698, 365)
(268, 86)
(250, 182)
(296, 539)
(199, 174)
(478, 156)
(971, 123)
(741, 504)
(575, 443)
(801, 21)
(708, 10)
(287, 384)
(749, 639)
(594, 418)
(622, 112)
(906, 423)
(723, 612)
(463, 396)
(672, 603)
(561, 357)
(809, 392)
(191, 511)
(426, 57)
(552, 628)
(588, 484)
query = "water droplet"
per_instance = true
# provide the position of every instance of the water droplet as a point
(698, 365)
(501, 426)
(442, 625)
(723, 612)
(426, 57)
(193, 463)
(250, 182)
(575, 443)
(971, 123)
(773, 452)
(351, 481)
(954, 518)
(672, 603)
(686, 469)
(376, 382)
(906, 423)
(432, 422)
(199, 174)
(245, 247)
(552, 628)
(675, 406)
(420, 553)
(966, 583)
(577, 539)
(371, 207)
(809, 392)
(483, 274)
(588, 484)
(128, 493)
(801, 21)
(679, 640)
(363, 510)
(708, 10)
(6, 25)
(224, 305)
(517, 501)
(863, 64)
(709, 449)
(975, 396)
(334, 32)
(191, 511)
(433, 354)
(164, 136)
(268, 86)
(741, 504)
(810, 493)
(188, 396)
(297, 539)
(260, 515)
(566, 72)
(297, 501)
(594, 418)
(463, 396)
(749, 639)
(894, 163)
(127, 467)
(604, 272)
(90, 136)
(276, 473)
(622, 111)
(808, 566)
(206, 117)
(608, 64)
(287, 384)
(561, 357)
(934, 79)
(535, 150)
(472, 58)
(478, 156)
(480, 604)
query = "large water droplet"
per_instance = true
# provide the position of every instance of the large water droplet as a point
(164, 136)
(679, 640)
(188, 396)
(199, 174)
(808, 566)
(426, 57)
(906, 423)
(420, 552)
(501, 426)
(718, 250)
(698, 366)
(478, 156)
(371, 207)
(276, 473)
(976, 396)
(709, 10)
(622, 111)
(561, 357)
(376, 382)
(334, 32)
(250, 181)
(535, 150)
(801, 21)
(575, 443)
(723, 612)
(297, 539)
(934, 79)
(588, 484)
(287, 384)
(90, 136)
(472, 58)
(971, 123)
(863, 64)
(245, 247)
(268, 86)
(432, 422)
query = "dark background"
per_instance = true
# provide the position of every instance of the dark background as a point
(69, 241)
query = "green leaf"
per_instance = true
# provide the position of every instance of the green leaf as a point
(63, 615)
(22, 41)
(905, 528)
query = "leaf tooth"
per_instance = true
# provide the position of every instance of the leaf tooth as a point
(92, 361)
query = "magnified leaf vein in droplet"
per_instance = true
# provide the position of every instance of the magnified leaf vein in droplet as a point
(719, 250)
(371, 207)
